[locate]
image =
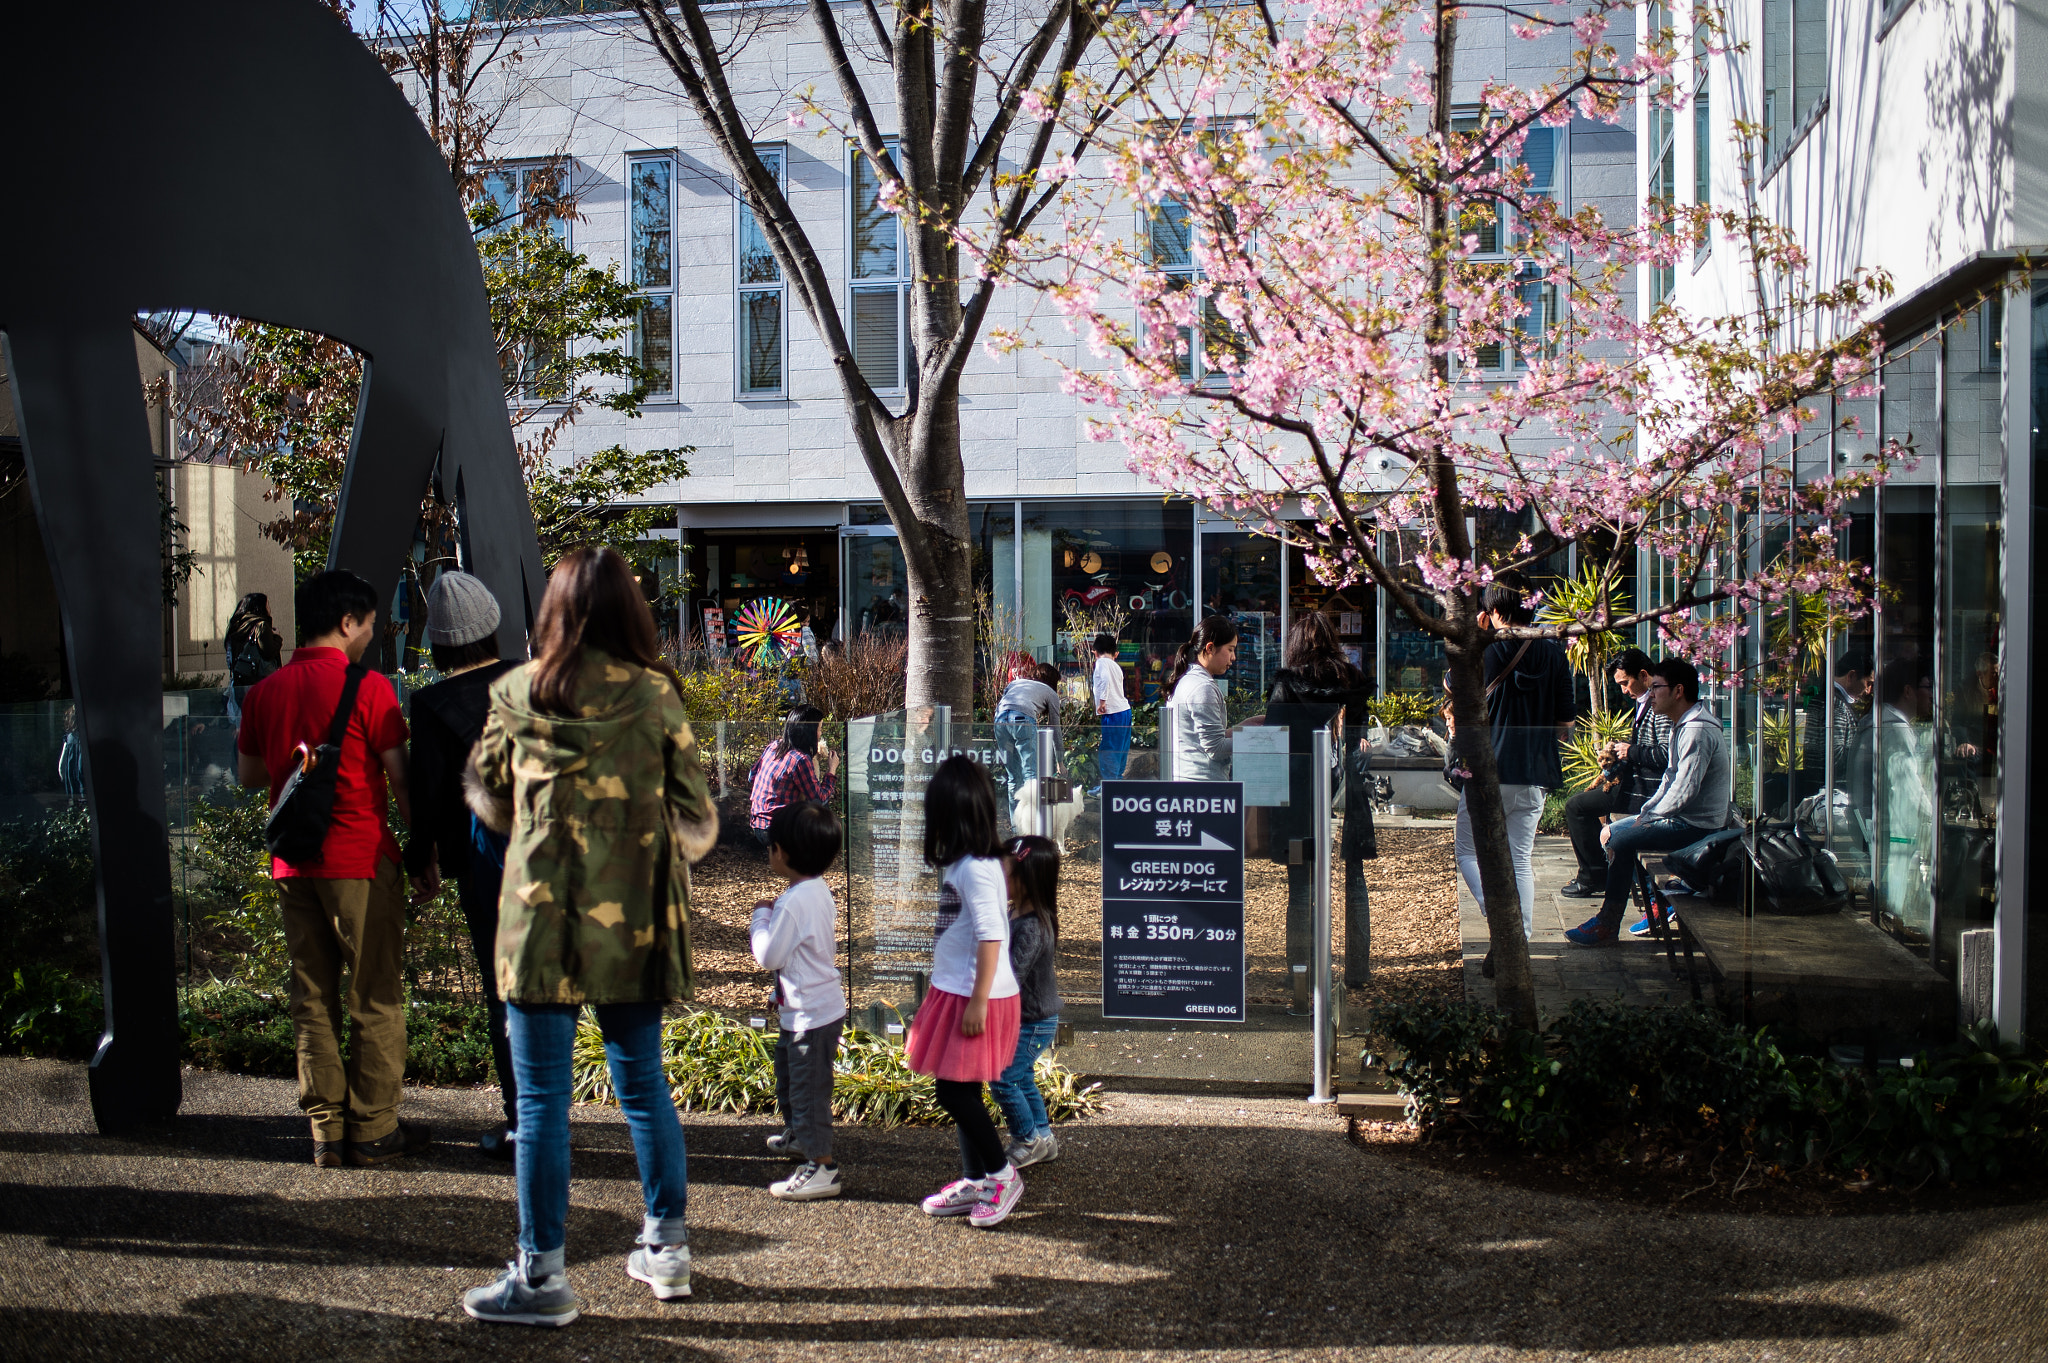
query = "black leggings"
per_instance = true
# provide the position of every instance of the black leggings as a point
(981, 1149)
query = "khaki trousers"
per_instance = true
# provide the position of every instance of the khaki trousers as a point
(359, 926)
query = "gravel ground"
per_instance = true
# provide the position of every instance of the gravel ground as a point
(1414, 920)
(1225, 1228)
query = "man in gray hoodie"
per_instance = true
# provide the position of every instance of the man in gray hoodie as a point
(1691, 801)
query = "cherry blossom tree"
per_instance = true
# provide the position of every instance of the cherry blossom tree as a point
(1390, 324)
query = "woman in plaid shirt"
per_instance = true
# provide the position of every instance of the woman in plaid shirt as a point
(789, 771)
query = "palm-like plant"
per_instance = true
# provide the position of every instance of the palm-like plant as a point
(1581, 752)
(1576, 600)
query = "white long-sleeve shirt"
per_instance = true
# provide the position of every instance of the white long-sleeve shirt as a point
(795, 937)
(1108, 682)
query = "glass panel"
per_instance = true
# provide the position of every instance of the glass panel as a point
(649, 254)
(1184, 345)
(1702, 150)
(761, 342)
(501, 192)
(874, 228)
(1539, 154)
(875, 584)
(878, 337)
(1809, 57)
(757, 260)
(1904, 831)
(1972, 598)
(1779, 116)
(1172, 237)
(654, 342)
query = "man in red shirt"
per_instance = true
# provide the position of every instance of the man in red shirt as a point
(346, 910)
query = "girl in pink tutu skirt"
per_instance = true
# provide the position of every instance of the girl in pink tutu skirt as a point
(965, 1031)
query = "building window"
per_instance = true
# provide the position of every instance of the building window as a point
(876, 290)
(650, 266)
(1205, 354)
(1795, 69)
(1663, 190)
(1499, 233)
(760, 308)
(537, 195)
(1702, 129)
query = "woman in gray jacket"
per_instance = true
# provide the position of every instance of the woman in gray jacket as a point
(1201, 723)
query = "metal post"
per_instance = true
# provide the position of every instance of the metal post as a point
(721, 760)
(1167, 727)
(1045, 746)
(1940, 613)
(1319, 940)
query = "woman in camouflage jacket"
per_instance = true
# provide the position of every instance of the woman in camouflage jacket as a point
(588, 767)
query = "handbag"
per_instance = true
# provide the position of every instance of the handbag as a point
(1793, 875)
(304, 810)
(1456, 773)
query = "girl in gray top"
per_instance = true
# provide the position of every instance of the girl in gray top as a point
(1032, 865)
(1201, 723)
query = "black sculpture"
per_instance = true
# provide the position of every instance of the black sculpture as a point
(246, 157)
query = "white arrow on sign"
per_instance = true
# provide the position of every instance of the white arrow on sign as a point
(1209, 843)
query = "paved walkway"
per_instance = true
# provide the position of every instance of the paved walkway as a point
(1214, 1228)
(1635, 970)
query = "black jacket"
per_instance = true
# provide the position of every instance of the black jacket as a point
(1304, 699)
(1526, 710)
(446, 719)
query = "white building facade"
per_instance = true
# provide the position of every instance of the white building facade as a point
(779, 502)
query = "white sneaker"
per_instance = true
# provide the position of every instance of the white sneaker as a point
(810, 1181)
(998, 1201)
(782, 1143)
(1043, 1150)
(665, 1268)
(957, 1198)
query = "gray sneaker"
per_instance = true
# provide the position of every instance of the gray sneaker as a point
(665, 1268)
(1043, 1150)
(514, 1299)
(784, 1143)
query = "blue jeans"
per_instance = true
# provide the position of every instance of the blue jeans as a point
(1017, 1092)
(541, 1038)
(1016, 746)
(1115, 750)
(1628, 837)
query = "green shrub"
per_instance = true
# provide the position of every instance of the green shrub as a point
(1971, 1111)
(719, 1064)
(47, 898)
(228, 889)
(227, 1026)
(45, 1010)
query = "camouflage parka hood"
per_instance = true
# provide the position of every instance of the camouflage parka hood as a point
(604, 811)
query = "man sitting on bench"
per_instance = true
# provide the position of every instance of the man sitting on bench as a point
(1690, 802)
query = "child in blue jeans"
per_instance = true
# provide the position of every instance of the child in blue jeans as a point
(1032, 865)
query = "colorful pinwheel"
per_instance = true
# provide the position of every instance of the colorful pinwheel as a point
(768, 630)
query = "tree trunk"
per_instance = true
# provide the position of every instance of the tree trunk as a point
(1514, 988)
(937, 557)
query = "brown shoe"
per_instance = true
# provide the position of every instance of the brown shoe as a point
(404, 1139)
(327, 1154)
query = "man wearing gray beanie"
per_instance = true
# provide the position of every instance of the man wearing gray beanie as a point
(462, 623)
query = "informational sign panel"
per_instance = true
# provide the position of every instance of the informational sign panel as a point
(1173, 900)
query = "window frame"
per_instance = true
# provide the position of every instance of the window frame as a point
(1779, 145)
(1702, 134)
(856, 284)
(1507, 238)
(561, 228)
(654, 291)
(1199, 373)
(780, 288)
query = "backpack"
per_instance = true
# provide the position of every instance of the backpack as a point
(1794, 875)
(297, 827)
(1713, 866)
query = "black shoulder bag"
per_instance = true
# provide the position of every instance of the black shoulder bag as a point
(298, 823)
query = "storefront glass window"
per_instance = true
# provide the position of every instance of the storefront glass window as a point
(1124, 567)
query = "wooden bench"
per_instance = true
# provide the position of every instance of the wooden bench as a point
(1834, 977)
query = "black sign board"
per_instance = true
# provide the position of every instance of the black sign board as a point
(1173, 900)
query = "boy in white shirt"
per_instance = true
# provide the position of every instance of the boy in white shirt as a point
(794, 937)
(1112, 710)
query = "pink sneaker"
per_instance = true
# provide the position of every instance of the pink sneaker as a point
(958, 1198)
(998, 1202)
